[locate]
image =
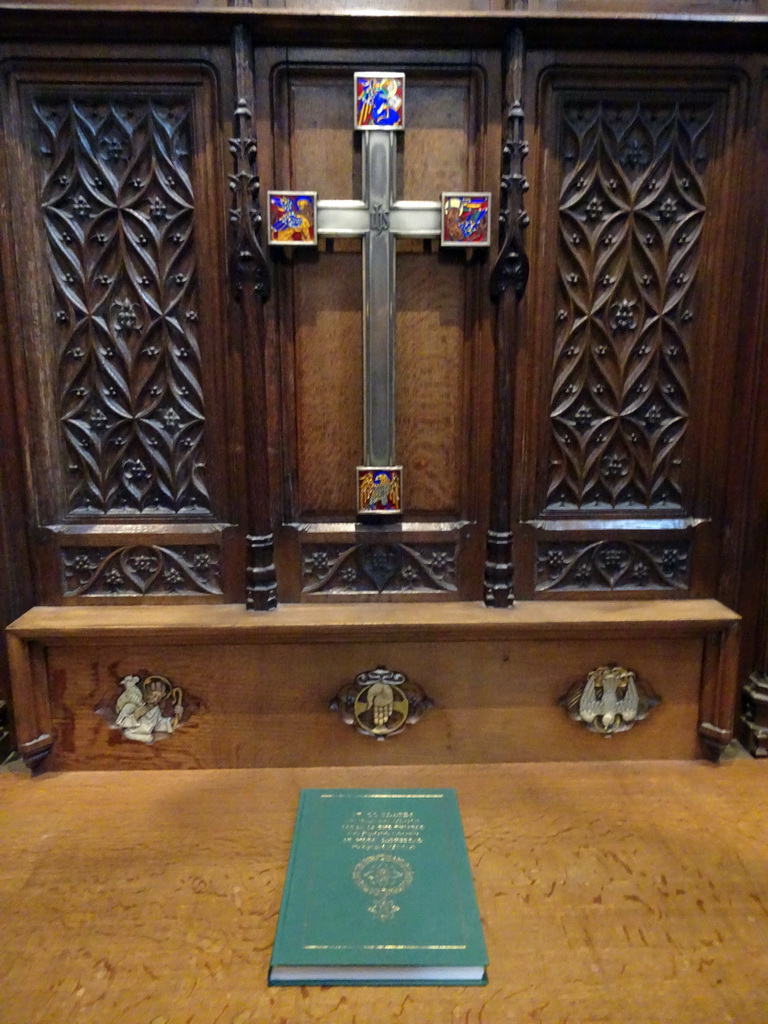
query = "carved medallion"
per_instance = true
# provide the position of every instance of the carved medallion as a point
(148, 708)
(610, 700)
(380, 703)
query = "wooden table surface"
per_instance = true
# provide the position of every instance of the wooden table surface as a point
(629, 893)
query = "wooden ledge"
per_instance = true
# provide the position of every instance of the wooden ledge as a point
(96, 21)
(312, 623)
(330, 635)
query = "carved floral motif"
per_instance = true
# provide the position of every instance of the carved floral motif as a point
(376, 568)
(118, 209)
(140, 570)
(631, 211)
(613, 565)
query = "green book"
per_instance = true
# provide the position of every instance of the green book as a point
(378, 892)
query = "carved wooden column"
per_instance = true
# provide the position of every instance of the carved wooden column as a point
(249, 278)
(508, 280)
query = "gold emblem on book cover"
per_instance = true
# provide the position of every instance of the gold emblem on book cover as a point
(383, 876)
(380, 702)
(610, 700)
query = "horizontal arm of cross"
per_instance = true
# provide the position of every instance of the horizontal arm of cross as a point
(350, 218)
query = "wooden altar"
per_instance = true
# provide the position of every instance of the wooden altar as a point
(618, 894)
(576, 406)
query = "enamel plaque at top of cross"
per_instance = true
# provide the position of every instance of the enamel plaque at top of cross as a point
(298, 218)
(379, 100)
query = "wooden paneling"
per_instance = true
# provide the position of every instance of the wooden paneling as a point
(431, 425)
(120, 334)
(442, 432)
(17, 589)
(628, 399)
(249, 707)
(663, 120)
(257, 688)
(319, 307)
(327, 371)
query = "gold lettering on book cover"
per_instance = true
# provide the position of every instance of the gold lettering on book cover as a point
(383, 830)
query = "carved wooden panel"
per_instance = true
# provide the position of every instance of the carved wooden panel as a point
(118, 206)
(119, 243)
(613, 565)
(627, 397)
(632, 201)
(141, 570)
(379, 568)
(442, 362)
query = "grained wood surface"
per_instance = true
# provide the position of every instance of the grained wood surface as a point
(622, 894)
(268, 706)
(462, 620)
(260, 685)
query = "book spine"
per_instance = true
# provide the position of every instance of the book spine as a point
(287, 886)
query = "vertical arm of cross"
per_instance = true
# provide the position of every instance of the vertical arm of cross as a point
(459, 219)
(378, 219)
(379, 175)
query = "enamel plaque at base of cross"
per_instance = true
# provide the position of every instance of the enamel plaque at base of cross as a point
(298, 218)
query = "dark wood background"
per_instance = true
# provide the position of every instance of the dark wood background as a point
(639, 427)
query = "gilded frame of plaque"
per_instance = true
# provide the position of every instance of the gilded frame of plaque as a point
(291, 218)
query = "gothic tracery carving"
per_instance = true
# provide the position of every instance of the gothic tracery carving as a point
(631, 211)
(509, 273)
(118, 209)
(511, 267)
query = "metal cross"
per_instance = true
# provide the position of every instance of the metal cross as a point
(379, 219)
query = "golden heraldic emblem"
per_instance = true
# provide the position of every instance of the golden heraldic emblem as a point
(380, 702)
(383, 876)
(610, 700)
